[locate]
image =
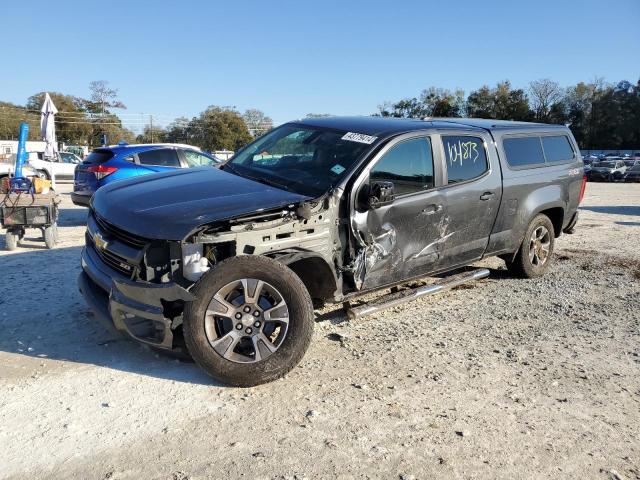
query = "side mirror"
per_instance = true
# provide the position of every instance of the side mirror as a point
(381, 193)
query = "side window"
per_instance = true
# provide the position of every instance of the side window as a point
(163, 157)
(409, 165)
(557, 148)
(466, 158)
(523, 151)
(195, 159)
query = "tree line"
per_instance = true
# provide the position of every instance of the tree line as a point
(601, 115)
(83, 121)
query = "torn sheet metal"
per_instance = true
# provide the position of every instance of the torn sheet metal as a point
(377, 250)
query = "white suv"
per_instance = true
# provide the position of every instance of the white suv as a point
(62, 166)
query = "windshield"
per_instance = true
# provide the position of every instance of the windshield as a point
(300, 159)
(635, 168)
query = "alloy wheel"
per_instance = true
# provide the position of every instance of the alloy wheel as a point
(246, 321)
(539, 246)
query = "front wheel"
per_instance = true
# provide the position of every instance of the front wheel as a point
(536, 250)
(50, 236)
(251, 322)
(11, 240)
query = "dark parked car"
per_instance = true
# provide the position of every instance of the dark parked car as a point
(607, 171)
(229, 262)
(633, 174)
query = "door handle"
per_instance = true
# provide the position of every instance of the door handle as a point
(486, 196)
(431, 209)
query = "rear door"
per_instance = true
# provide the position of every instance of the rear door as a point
(157, 160)
(472, 195)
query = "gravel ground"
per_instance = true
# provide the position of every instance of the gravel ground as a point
(505, 379)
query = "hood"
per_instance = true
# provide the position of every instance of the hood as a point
(602, 169)
(169, 206)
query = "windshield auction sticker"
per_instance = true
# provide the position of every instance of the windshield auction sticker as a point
(359, 137)
(337, 169)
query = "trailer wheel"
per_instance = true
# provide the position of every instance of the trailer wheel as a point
(11, 240)
(50, 236)
(251, 322)
(536, 250)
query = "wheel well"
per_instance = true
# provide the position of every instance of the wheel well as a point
(316, 275)
(556, 215)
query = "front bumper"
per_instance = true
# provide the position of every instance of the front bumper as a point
(143, 311)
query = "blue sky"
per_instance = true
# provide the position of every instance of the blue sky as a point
(289, 58)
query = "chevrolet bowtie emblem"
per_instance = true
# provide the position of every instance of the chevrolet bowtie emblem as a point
(99, 242)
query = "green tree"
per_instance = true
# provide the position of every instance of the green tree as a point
(178, 131)
(219, 128)
(102, 97)
(11, 116)
(500, 103)
(153, 135)
(257, 122)
(439, 102)
(72, 124)
(405, 108)
(546, 95)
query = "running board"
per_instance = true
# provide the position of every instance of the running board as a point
(446, 283)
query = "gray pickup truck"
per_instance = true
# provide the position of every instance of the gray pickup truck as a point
(227, 264)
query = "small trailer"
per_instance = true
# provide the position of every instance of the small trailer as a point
(22, 210)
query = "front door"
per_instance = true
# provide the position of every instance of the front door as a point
(401, 239)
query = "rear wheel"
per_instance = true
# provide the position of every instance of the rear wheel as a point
(535, 253)
(44, 174)
(251, 322)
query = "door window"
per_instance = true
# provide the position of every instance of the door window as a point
(409, 165)
(195, 159)
(163, 157)
(466, 158)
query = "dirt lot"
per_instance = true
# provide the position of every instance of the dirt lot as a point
(507, 379)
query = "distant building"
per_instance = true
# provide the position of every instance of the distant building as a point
(8, 147)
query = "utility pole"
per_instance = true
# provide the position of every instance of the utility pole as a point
(151, 126)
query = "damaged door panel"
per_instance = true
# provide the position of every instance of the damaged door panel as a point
(401, 239)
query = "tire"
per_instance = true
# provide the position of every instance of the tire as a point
(44, 174)
(523, 266)
(50, 236)
(11, 241)
(232, 362)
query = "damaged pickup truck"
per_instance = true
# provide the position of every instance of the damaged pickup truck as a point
(226, 264)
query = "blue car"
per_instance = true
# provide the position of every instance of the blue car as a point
(110, 164)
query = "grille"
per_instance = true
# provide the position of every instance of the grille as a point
(111, 259)
(115, 232)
